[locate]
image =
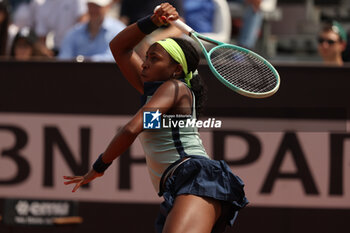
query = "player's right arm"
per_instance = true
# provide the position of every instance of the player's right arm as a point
(128, 61)
(122, 47)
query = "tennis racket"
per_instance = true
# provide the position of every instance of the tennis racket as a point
(240, 69)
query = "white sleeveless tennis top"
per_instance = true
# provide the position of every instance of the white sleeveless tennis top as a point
(164, 146)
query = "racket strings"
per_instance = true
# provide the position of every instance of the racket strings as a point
(243, 70)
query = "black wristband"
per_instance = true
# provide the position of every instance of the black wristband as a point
(146, 25)
(100, 166)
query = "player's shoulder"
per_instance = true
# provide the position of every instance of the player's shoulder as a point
(174, 83)
(172, 87)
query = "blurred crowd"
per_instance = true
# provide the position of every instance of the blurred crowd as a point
(57, 29)
(81, 29)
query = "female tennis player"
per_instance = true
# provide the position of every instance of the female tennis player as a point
(200, 195)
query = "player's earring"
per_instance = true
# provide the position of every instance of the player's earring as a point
(174, 75)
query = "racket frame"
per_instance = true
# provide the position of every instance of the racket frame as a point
(198, 37)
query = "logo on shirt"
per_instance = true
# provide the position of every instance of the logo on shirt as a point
(151, 120)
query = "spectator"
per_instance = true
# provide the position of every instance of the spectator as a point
(346, 52)
(199, 14)
(252, 21)
(14, 4)
(331, 43)
(23, 13)
(57, 17)
(25, 45)
(7, 29)
(114, 9)
(212, 18)
(91, 39)
(4, 25)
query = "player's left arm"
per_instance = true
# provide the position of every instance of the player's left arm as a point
(164, 98)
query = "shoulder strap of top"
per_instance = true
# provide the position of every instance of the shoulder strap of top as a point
(193, 104)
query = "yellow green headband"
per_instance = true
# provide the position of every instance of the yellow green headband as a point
(176, 52)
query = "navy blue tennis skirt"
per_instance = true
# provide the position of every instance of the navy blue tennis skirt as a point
(204, 177)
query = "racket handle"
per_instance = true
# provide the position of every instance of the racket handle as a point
(178, 23)
(182, 26)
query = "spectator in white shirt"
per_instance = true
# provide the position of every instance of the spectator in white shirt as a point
(90, 40)
(57, 17)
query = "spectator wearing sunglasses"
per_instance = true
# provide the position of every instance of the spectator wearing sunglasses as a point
(331, 43)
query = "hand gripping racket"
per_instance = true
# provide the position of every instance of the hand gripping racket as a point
(238, 68)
